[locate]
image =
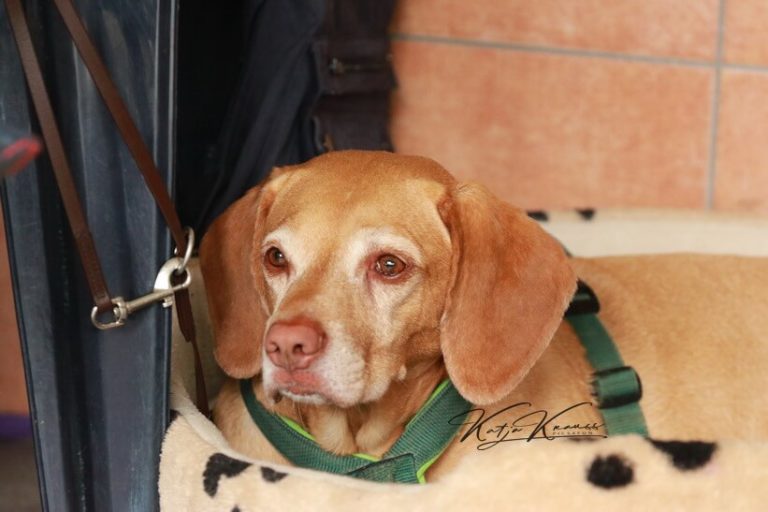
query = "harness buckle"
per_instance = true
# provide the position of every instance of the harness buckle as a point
(615, 387)
(584, 301)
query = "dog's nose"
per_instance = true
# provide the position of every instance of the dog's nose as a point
(294, 346)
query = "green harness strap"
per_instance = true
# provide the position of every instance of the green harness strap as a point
(425, 437)
(616, 387)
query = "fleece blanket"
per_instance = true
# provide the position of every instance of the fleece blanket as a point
(199, 471)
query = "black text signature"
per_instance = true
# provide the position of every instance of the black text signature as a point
(518, 422)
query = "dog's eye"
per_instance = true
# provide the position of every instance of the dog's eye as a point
(275, 258)
(389, 265)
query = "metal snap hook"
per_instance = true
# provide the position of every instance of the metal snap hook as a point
(119, 312)
(163, 292)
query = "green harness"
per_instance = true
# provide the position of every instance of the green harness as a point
(616, 387)
(424, 439)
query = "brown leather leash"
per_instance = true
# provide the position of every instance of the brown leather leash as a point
(174, 278)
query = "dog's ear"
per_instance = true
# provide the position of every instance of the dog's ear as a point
(228, 261)
(511, 285)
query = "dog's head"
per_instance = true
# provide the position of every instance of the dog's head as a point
(339, 276)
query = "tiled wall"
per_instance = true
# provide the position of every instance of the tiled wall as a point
(581, 103)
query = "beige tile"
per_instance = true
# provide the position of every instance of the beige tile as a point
(745, 40)
(551, 131)
(741, 180)
(679, 28)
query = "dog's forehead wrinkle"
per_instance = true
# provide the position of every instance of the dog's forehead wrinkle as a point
(334, 226)
(341, 187)
(369, 239)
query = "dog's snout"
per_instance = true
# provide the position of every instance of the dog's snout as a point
(294, 346)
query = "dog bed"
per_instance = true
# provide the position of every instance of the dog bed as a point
(199, 471)
(612, 232)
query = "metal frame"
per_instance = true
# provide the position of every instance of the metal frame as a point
(98, 398)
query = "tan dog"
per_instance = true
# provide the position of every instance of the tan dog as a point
(351, 285)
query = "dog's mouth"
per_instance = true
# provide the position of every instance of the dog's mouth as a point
(300, 386)
(303, 398)
(305, 387)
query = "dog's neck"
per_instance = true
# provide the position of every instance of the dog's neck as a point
(370, 428)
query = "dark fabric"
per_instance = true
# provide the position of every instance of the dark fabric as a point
(315, 76)
(267, 122)
(352, 52)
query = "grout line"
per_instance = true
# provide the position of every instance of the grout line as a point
(527, 48)
(570, 52)
(709, 198)
(747, 68)
(717, 66)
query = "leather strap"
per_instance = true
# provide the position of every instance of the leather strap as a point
(82, 234)
(139, 151)
(123, 120)
(187, 328)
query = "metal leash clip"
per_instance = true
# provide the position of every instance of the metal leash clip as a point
(163, 290)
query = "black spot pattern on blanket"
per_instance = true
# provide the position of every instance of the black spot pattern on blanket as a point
(586, 213)
(220, 465)
(539, 215)
(611, 471)
(272, 476)
(236, 509)
(686, 455)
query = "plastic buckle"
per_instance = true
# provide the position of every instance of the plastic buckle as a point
(584, 301)
(615, 387)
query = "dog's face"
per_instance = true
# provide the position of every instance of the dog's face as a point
(343, 274)
(353, 269)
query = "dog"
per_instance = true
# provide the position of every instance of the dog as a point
(348, 287)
